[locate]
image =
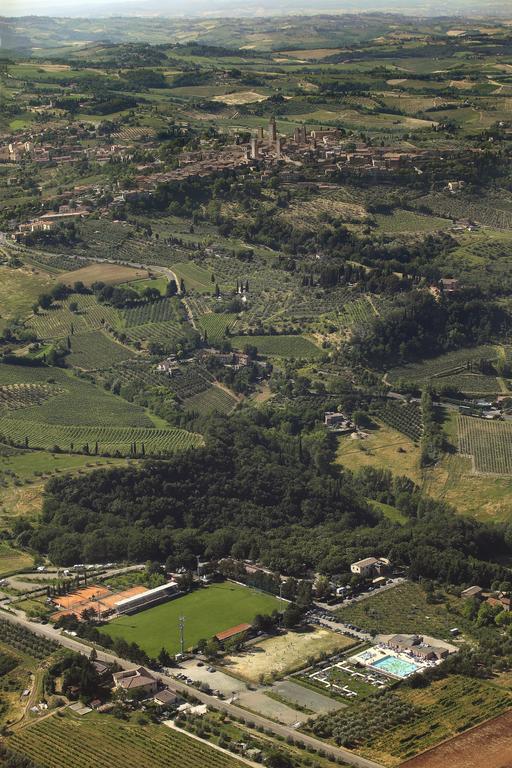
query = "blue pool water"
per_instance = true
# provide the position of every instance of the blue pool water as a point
(396, 667)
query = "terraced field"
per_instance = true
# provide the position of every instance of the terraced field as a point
(95, 350)
(280, 346)
(60, 322)
(458, 362)
(14, 396)
(159, 332)
(489, 443)
(212, 400)
(163, 310)
(110, 439)
(215, 325)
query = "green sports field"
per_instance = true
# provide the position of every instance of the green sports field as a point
(206, 611)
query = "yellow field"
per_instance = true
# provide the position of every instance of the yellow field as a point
(19, 288)
(384, 448)
(13, 559)
(313, 53)
(278, 656)
(240, 97)
(484, 497)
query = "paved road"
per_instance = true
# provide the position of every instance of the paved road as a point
(337, 753)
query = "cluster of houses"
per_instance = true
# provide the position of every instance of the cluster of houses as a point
(338, 422)
(498, 600)
(170, 366)
(48, 221)
(69, 150)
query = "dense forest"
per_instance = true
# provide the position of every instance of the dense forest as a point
(421, 326)
(257, 491)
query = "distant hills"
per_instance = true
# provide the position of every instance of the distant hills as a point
(229, 24)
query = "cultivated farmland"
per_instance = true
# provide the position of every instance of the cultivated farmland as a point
(280, 346)
(194, 277)
(216, 325)
(403, 608)
(489, 744)
(14, 396)
(212, 400)
(152, 312)
(112, 274)
(489, 443)
(404, 417)
(94, 350)
(428, 715)
(97, 741)
(450, 364)
(111, 440)
(59, 322)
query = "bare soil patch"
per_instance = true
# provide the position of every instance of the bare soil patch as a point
(277, 656)
(489, 745)
(106, 273)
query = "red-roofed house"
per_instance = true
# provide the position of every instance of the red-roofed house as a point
(135, 680)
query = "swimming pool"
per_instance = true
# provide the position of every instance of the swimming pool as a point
(395, 666)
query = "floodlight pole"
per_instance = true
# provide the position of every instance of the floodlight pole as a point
(182, 634)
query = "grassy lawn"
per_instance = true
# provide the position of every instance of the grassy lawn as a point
(405, 609)
(278, 656)
(483, 497)
(194, 277)
(27, 465)
(280, 346)
(25, 473)
(160, 283)
(19, 288)
(206, 611)
(384, 448)
(408, 221)
(12, 559)
(391, 513)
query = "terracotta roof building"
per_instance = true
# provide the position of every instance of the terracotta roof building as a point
(233, 632)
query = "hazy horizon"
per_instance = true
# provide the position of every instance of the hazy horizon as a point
(251, 8)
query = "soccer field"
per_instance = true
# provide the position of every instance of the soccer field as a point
(206, 611)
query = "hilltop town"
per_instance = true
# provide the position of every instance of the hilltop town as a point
(255, 392)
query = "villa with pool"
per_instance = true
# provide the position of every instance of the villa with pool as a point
(400, 656)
